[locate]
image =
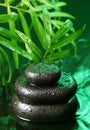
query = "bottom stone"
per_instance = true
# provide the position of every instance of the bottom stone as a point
(43, 113)
(66, 125)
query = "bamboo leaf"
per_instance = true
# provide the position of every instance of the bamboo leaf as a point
(9, 1)
(28, 4)
(61, 14)
(52, 4)
(2, 70)
(12, 26)
(46, 3)
(59, 55)
(39, 30)
(67, 40)
(8, 62)
(9, 34)
(30, 45)
(56, 23)
(63, 30)
(40, 7)
(47, 25)
(24, 24)
(8, 17)
(17, 49)
(60, 4)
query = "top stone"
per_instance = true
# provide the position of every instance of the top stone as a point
(42, 74)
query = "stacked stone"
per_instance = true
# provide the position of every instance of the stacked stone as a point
(44, 94)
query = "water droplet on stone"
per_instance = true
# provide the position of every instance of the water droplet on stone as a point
(15, 103)
(53, 93)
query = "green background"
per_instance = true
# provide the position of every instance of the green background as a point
(80, 9)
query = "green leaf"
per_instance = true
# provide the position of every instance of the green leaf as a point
(11, 1)
(14, 42)
(61, 14)
(9, 34)
(39, 30)
(56, 23)
(67, 40)
(2, 70)
(8, 62)
(38, 8)
(63, 30)
(60, 4)
(59, 55)
(30, 45)
(55, 5)
(24, 24)
(12, 26)
(17, 49)
(8, 17)
(27, 3)
(46, 3)
(47, 25)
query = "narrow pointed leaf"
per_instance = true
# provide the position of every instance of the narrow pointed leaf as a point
(56, 23)
(8, 62)
(30, 45)
(61, 14)
(39, 30)
(9, 34)
(34, 3)
(12, 27)
(63, 30)
(8, 17)
(40, 7)
(28, 4)
(59, 55)
(24, 24)
(17, 49)
(2, 70)
(47, 25)
(46, 3)
(60, 4)
(67, 40)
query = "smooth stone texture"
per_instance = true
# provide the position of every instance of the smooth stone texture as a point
(68, 124)
(43, 113)
(46, 94)
(42, 74)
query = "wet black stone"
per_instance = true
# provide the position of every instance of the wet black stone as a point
(43, 113)
(68, 124)
(59, 93)
(42, 74)
(44, 94)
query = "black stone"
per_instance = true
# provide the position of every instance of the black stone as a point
(44, 94)
(43, 113)
(42, 74)
(68, 124)
(59, 93)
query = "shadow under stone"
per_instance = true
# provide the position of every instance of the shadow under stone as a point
(65, 125)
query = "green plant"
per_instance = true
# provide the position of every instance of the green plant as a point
(4, 78)
(53, 38)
